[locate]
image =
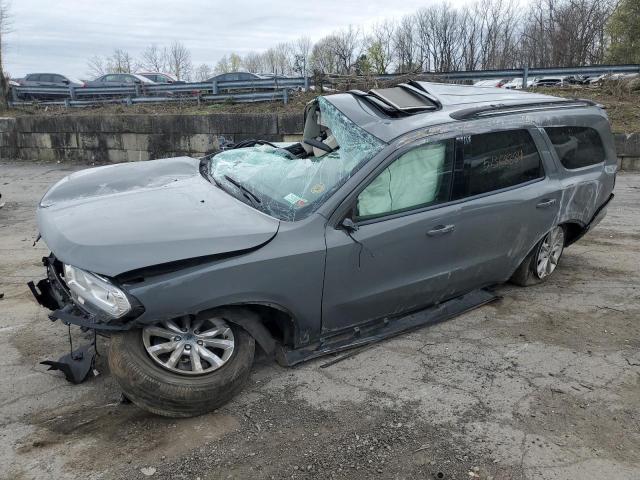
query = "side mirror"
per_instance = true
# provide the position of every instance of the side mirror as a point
(348, 225)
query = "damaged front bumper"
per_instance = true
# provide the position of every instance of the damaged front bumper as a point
(53, 294)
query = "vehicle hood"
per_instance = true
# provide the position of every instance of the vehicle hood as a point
(118, 218)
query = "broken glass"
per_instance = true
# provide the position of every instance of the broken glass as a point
(288, 187)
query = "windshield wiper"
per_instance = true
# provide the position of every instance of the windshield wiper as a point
(248, 193)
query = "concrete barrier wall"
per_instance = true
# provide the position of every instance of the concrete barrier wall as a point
(122, 138)
(628, 151)
(126, 138)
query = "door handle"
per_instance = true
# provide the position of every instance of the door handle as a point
(546, 203)
(441, 230)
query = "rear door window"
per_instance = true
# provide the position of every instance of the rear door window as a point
(496, 160)
(417, 179)
(576, 147)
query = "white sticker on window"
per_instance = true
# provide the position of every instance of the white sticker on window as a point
(294, 199)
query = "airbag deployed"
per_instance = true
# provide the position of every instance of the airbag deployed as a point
(411, 180)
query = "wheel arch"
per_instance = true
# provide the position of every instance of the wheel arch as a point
(574, 229)
(268, 323)
(573, 224)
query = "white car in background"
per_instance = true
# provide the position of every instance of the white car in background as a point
(516, 83)
(494, 82)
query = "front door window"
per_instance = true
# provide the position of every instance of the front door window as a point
(419, 178)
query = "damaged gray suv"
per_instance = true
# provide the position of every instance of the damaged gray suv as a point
(398, 208)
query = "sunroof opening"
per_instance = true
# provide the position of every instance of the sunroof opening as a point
(405, 99)
(401, 99)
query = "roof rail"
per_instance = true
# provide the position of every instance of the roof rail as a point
(506, 108)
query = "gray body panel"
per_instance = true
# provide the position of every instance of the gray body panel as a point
(118, 218)
(311, 269)
(287, 273)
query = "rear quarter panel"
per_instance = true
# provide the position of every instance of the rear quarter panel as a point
(583, 190)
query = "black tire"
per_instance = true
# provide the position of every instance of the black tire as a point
(169, 394)
(526, 274)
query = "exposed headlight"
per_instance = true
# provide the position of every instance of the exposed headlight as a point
(89, 288)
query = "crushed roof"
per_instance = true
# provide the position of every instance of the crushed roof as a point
(453, 97)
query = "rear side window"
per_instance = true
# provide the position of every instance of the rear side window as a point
(576, 147)
(492, 161)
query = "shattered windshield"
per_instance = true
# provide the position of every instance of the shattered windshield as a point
(290, 185)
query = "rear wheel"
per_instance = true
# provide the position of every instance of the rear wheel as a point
(542, 260)
(182, 368)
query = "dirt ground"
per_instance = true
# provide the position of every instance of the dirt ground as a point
(544, 384)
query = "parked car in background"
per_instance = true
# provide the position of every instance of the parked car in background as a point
(236, 76)
(491, 83)
(550, 82)
(395, 210)
(516, 83)
(120, 80)
(49, 80)
(159, 77)
(574, 79)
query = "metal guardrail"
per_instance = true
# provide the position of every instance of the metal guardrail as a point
(260, 89)
(279, 95)
(525, 72)
(265, 90)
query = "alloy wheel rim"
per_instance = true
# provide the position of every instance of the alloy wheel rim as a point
(189, 347)
(549, 253)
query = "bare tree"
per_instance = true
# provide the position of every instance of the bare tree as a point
(439, 37)
(346, 48)
(283, 59)
(122, 62)
(322, 57)
(566, 32)
(485, 34)
(406, 46)
(96, 66)
(119, 61)
(154, 58)
(301, 49)
(179, 61)
(379, 47)
(253, 62)
(5, 27)
(222, 66)
(203, 72)
(235, 62)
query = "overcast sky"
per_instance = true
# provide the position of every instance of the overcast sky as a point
(60, 35)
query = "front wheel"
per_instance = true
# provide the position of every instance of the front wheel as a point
(542, 260)
(182, 368)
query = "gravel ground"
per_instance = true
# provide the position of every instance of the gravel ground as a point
(544, 384)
